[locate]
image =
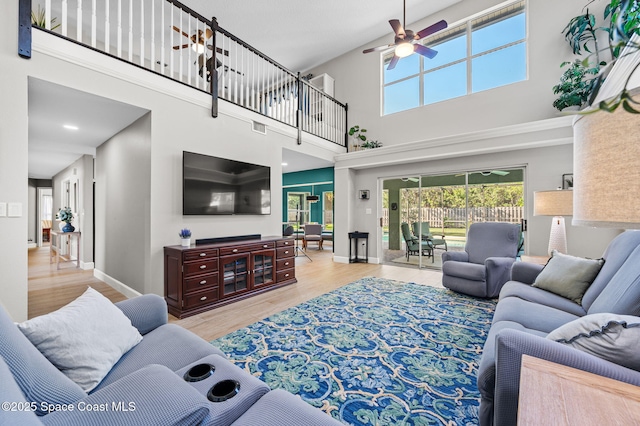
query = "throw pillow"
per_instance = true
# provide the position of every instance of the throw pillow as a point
(568, 276)
(83, 339)
(608, 336)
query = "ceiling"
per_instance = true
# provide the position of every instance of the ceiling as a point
(301, 34)
(298, 34)
(51, 146)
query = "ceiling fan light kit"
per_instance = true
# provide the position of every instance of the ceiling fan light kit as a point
(404, 40)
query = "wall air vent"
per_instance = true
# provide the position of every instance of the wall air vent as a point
(259, 128)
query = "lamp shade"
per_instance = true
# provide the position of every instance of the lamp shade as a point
(553, 203)
(606, 169)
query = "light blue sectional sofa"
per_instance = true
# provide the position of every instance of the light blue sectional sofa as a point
(525, 315)
(147, 386)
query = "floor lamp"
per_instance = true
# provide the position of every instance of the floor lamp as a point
(556, 203)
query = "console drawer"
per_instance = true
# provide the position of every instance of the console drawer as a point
(225, 251)
(289, 242)
(284, 252)
(196, 268)
(287, 274)
(285, 263)
(200, 254)
(201, 282)
(201, 298)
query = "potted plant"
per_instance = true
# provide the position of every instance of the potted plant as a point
(185, 237)
(358, 135)
(65, 215)
(371, 144)
(38, 19)
(580, 83)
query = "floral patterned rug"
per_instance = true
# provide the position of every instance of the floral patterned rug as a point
(374, 352)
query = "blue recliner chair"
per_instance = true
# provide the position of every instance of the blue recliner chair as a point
(483, 268)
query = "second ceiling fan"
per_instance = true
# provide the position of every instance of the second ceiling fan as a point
(404, 40)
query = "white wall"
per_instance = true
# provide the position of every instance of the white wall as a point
(13, 166)
(358, 80)
(123, 196)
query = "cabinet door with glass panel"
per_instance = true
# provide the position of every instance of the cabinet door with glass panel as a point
(234, 274)
(263, 268)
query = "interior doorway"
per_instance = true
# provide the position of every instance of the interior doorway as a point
(44, 220)
(424, 216)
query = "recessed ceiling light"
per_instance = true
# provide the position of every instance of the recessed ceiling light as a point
(70, 127)
(285, 164)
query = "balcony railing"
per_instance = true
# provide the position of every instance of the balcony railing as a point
(169, 39)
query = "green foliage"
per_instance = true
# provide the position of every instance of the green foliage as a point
(38, 19)
(358, 133)
(575, 87)
(65, 215)
(580, 83)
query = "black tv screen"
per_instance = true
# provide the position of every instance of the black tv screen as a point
(218, 186)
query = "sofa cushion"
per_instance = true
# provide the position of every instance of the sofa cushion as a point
(568, 276)
(540, 296)
(615, 256)
(468, 271)
(83, 339)
(37, 378)
(622, 294)
(531, 315)
(607, 336)
(169, 345)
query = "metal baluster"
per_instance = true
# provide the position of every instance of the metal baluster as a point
(189, 49)
(94, 24)
(162, 45)
(171, 41)
(153, 36)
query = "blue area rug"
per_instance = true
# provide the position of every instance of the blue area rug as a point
(374, 352)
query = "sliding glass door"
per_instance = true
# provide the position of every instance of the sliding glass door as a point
(440, 209)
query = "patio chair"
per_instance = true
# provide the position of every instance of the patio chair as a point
(428, 235)
(414, 245)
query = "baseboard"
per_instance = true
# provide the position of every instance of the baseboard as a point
(32, 245)
(115, 284)
(87, 265)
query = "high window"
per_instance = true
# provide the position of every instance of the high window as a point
(481, 53)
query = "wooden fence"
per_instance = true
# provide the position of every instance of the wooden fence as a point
(457, 217)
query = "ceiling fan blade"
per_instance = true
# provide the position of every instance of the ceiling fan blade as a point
(180, 31)
(440, 25)
(378, 49)
(226, 52)
(397, 28)
(500, 172)
(393, 62)
(208, 33)
(184, 46)
(424, 51)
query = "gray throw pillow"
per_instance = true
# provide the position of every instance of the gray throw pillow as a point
(568, 276)
(608, 336)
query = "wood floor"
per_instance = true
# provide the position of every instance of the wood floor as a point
(50, 289)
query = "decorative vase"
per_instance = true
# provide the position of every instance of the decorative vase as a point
(185, 242)
(68, 227)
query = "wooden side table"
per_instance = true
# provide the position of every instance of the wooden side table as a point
(58, 240)
(554, 394)
(539, 260)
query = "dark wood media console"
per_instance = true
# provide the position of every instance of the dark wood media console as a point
(202, 277)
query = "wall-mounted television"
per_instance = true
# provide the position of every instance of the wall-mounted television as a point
(219, 186)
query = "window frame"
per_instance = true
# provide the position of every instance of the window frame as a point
(468, 23)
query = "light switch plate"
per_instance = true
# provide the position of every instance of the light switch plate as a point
(368, 211)
(3, 209)
(15, 210)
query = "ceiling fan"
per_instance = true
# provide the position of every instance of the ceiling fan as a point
(199, 44)
(488, 173)
(404, 40)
